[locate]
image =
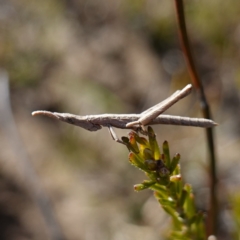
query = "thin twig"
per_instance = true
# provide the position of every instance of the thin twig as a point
(213, 205)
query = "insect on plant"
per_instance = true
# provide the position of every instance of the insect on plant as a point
(163, 172)
(151, 116)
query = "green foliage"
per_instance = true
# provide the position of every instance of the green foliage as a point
(165, 180)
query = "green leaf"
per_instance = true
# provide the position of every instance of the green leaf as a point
(152, 175)
(141, 140)
(183, 198)
(188, 188)
(177, 170)
(166, 154)
(126, 141)
(175, 178)
(176, 219)
(167, 202)
(192, 220)
(172, 190)
(159, 188)
(130, 145)
(159, 194)
(189, 204)
(163, 181)
(144, 185)
(179, 184)
(133, 144)
(153, 144)
(200, 217)
(137, 161)
(174, 162)
(180, 235)
(200, 227)
(147, 153)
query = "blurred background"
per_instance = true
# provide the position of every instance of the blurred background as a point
(58, 181)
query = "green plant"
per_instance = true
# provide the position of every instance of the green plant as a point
(164, 178)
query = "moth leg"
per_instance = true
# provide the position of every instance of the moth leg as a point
(143, 130)
(138, 127)
(114, 135)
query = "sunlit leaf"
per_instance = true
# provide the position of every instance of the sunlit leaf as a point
(144, 185)
(153, 144)
(174, 162)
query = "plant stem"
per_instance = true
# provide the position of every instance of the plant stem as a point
(213, 204)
